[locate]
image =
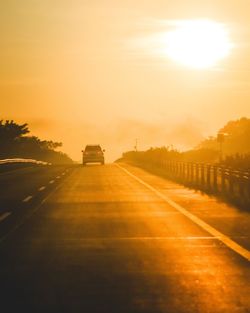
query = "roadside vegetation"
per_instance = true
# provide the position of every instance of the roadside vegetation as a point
(16, 143)
(233, 152)
(216, 167)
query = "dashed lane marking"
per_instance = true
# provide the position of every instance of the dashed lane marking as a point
(4, 216)
(26, 217)
(42, 188)
(52, 182)
(58, 177)
(211, 230)
(27, 199)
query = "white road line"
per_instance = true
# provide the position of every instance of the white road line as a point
(211, 230)
(58, 177)
(27, 199)
(26, 217)
(4, 216)
(52, 182)
(42, 188)
(63, 174)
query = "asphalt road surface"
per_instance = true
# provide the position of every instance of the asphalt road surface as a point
(112, 239)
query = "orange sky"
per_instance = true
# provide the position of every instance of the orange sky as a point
(72, 70)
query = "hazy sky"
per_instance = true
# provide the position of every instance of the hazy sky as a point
(86, 72)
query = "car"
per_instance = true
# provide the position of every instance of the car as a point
(93, 154)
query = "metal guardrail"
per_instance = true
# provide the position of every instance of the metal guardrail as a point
(229, 183)
(226, 181)
(20, 161)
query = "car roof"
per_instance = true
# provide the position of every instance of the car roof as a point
(93, 147)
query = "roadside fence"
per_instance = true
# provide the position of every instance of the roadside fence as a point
(229, 183)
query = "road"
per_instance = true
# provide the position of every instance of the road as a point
(116, 239)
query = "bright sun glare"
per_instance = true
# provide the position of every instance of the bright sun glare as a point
(197, 44)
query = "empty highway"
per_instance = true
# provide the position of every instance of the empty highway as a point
(116, 239)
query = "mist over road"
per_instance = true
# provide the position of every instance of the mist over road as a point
(118, 239)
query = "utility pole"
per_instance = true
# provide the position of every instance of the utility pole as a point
(136, 145)
(82, 155)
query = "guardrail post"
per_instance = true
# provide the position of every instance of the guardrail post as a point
(241, 185)
(231, 183)
(215, 178)
(179, 169)
(223, 179)
(166, 165)
(188, 172)
(248, 186)
(183, 171)
(208, 167)
(202, 175)
(197, 174)
(173, 168)
(192, 173)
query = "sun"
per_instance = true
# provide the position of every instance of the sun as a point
(198, 44)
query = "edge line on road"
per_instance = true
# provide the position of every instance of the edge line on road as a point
(211, 230)
(4, 216)
(27, 199)
(42, 188)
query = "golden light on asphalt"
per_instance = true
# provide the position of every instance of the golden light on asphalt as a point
(197, 44)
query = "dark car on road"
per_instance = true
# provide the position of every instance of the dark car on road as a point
(93, 154)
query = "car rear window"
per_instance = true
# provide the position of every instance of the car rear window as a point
(93, 148)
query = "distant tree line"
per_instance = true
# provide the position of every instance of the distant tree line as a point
(15, 143)
(235, 148)
(236, 134)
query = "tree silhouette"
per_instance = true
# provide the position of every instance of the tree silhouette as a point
(10, 131)
(15, 144)
(237, 134)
